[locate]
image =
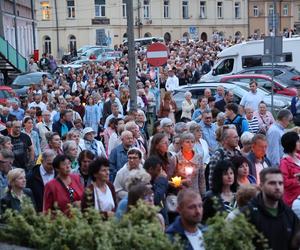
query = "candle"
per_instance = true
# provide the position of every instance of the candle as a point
(176, 181)
(189, 171)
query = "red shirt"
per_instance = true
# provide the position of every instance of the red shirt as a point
(57, 195)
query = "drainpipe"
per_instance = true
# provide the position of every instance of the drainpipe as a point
(16, 31)
(33, 24)
(56, 23)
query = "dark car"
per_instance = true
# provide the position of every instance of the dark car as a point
(287, 74)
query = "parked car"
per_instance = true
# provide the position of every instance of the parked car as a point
(23, 81)
(6, 94)
(95, 51)
(263, 81)
(283, 73)
(197, 90)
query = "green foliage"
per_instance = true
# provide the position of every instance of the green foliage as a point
(138, 229)
(235, 234)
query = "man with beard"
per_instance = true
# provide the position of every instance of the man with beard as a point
(187, 224)
(267, 212)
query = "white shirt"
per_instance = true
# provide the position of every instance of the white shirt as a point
(41, 105)
(46, 176)
(110, 117)
(172, 83)
(251, 100)
(103, 200)
(196, 239)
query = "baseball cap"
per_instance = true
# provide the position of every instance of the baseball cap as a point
(87, 130)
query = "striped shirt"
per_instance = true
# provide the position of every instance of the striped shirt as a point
(253, 125)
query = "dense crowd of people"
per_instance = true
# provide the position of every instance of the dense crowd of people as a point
(74, 141)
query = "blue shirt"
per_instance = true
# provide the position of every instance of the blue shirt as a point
(19, 113)
(209, 135)
(275, 149)
(218, 97)
(196, 115)
(117, 159)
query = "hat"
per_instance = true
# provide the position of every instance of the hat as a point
(165, 122)
(87, 130)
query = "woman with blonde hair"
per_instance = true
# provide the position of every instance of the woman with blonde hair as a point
(187, 107)
(17, 194)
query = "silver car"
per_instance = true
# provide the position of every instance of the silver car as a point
(239, 91)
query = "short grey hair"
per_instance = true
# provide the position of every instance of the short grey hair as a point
(180, 127)
(130, 125)
(186, 136)
(48, 153)
(247, 137)
(194, 126)
(284, 113)
(188, 93)
(67, 145)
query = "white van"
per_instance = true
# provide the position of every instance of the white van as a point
(249, 54)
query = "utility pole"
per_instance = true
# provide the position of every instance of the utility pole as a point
(57, 31)
(131, 55)
(139, 18)
(275, 33)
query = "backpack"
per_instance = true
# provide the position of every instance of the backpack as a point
(239, 125)
(207, 169)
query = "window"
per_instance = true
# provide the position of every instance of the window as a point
(285, 10)
(225, 67)
(71, 8)
(101, 38)
(298, 12)
(146, 9)
(45, 10)
(185, 9)
(251, 61)
(237, 10)
(271, 10)
(72, 43)
(124, 12)
(100, 8)
(255, 11)
(47, 45)
(219, 9)
(166, 9)
(202, 9)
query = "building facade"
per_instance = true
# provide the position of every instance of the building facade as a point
(17, 25)
(67, 24)
(260, 16)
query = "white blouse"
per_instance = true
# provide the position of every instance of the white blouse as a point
(104, 201)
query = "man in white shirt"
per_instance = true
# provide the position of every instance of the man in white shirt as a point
(252, 99)
(114, 114)
(44, 127)
(134, 163)
(172, 81)
(39, 176)
(186, 225)
(38, 102)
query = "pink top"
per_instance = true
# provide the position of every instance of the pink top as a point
(291, 183)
